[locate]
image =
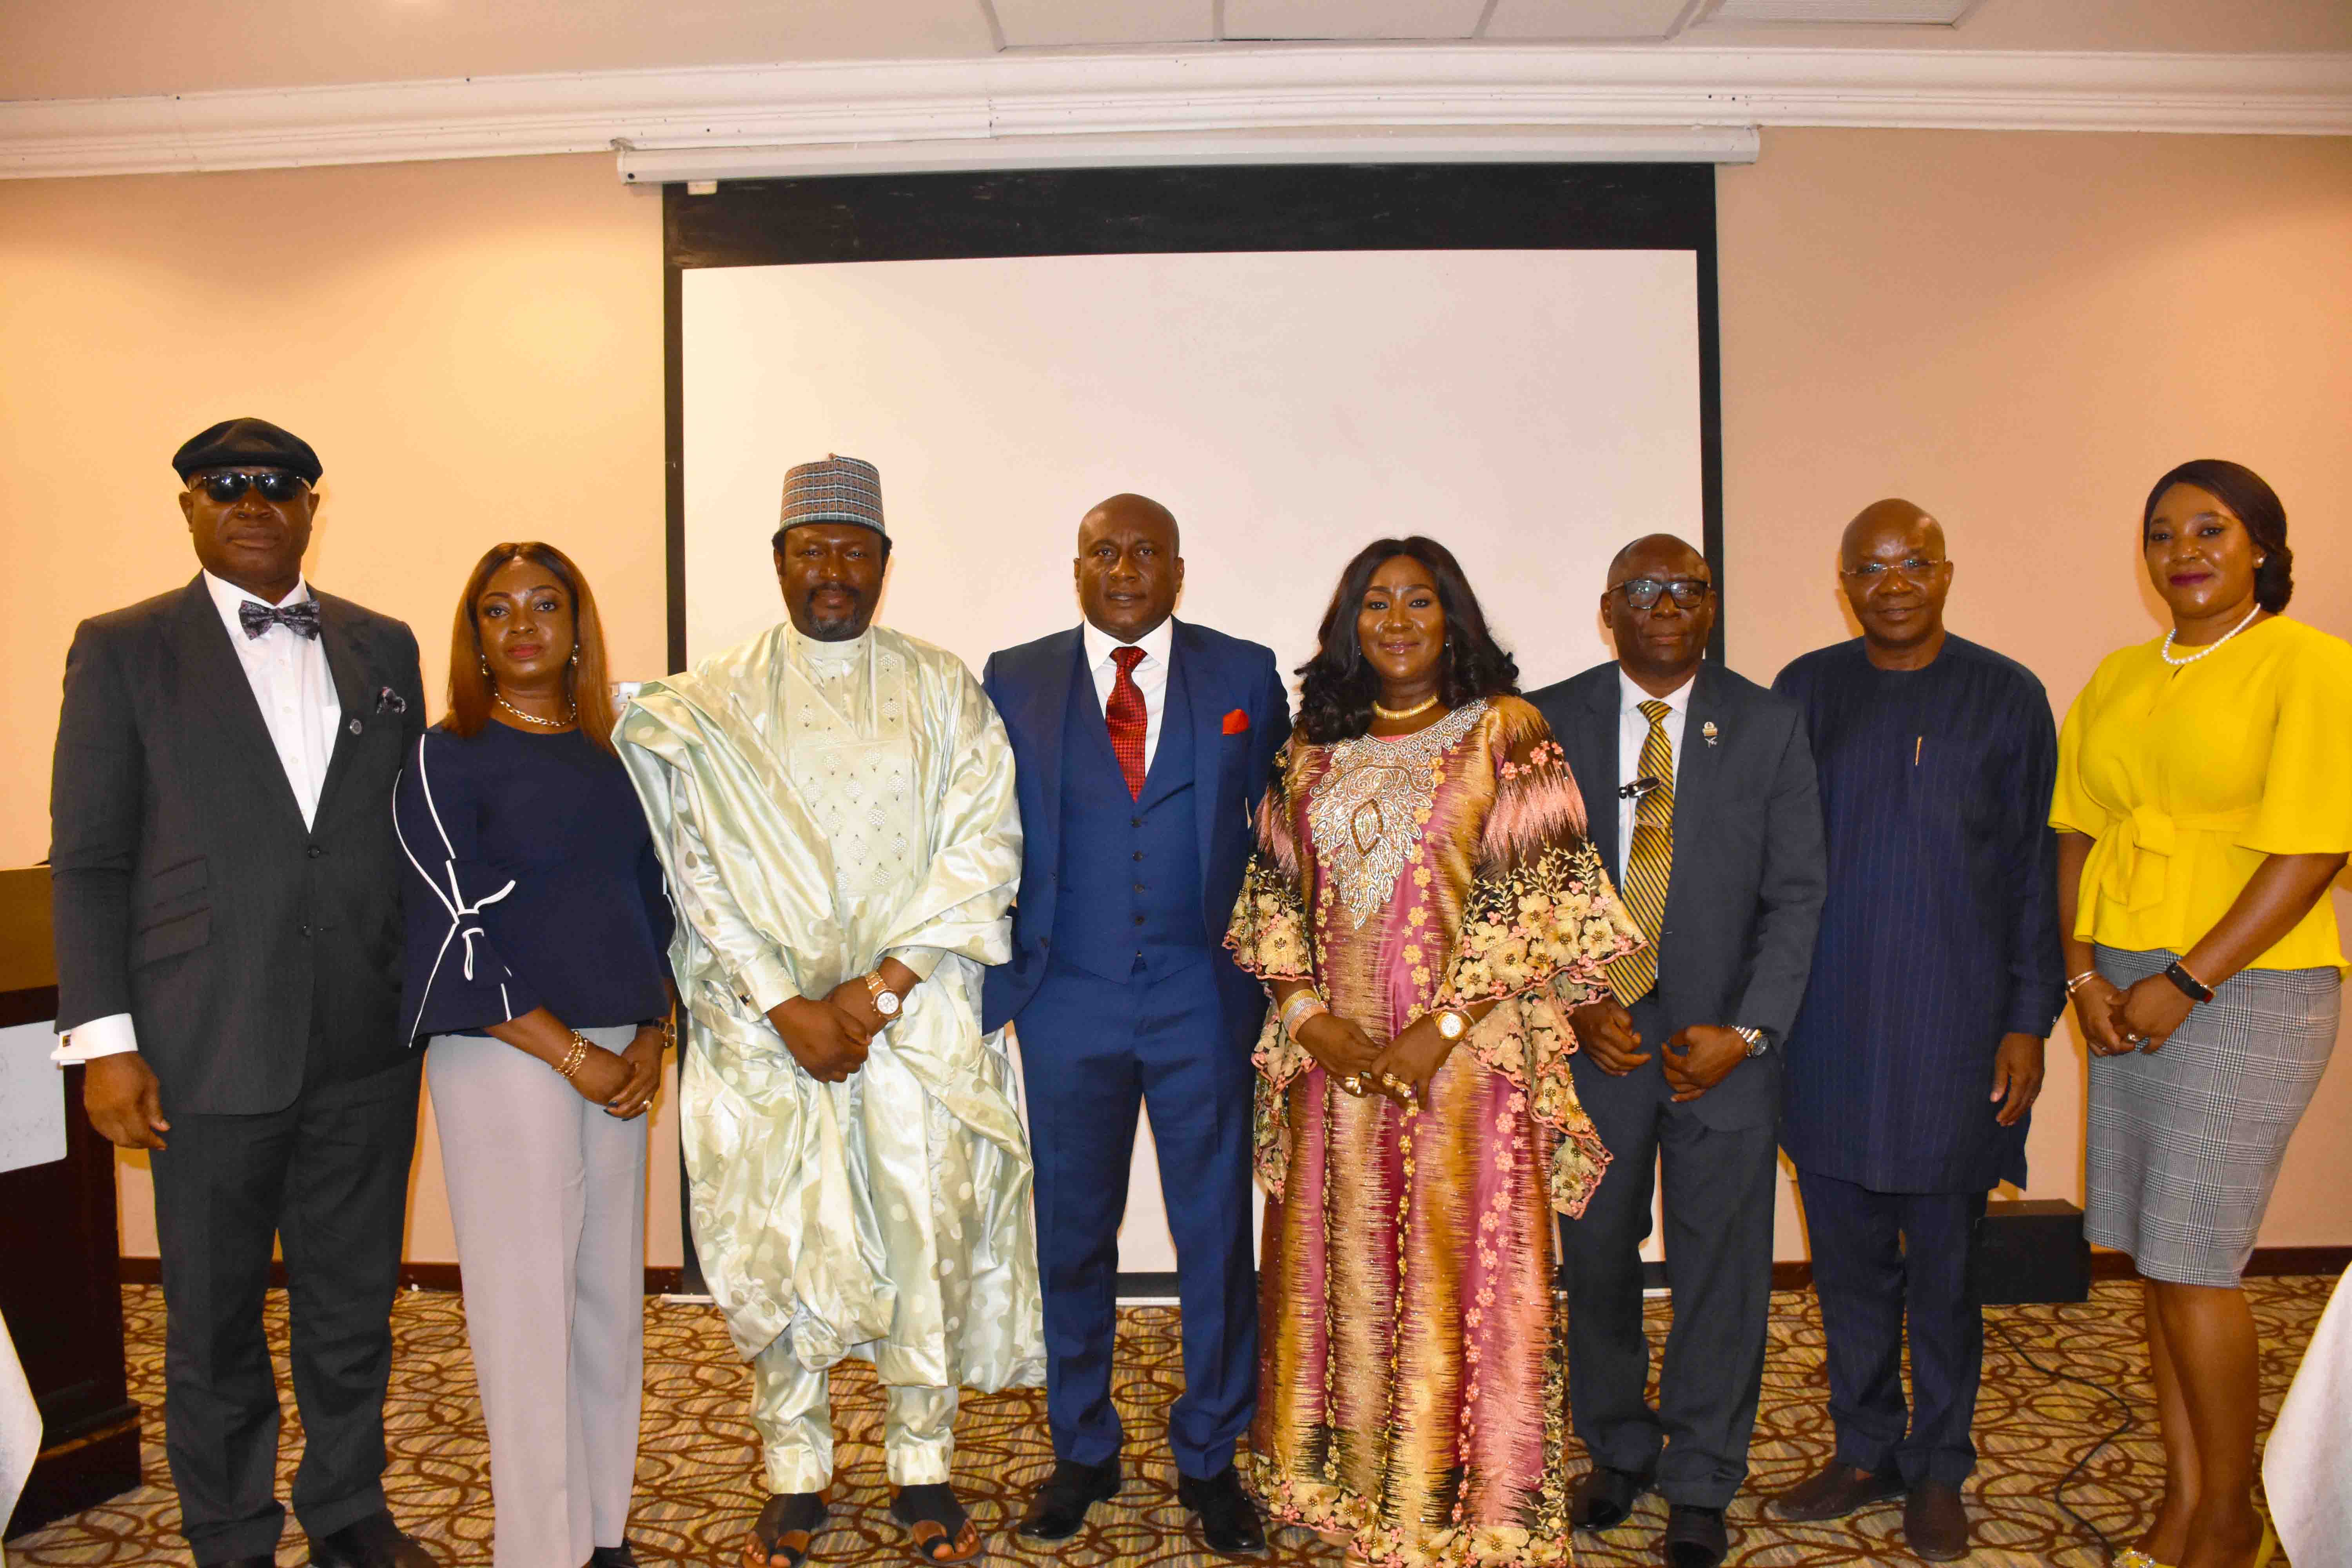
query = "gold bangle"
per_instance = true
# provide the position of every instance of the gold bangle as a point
(575, 1056)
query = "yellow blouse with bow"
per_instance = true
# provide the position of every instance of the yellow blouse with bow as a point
(2185, 778)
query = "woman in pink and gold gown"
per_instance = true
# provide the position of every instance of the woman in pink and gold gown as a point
(1425, 911)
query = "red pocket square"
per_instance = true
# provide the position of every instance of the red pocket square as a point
(1236, 722)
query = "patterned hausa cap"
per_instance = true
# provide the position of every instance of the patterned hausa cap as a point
(838, 490)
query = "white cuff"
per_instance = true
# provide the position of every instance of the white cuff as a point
(108, 1037)
(765, 985)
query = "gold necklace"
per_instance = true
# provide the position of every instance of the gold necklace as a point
(499, 698)
(1398, 715)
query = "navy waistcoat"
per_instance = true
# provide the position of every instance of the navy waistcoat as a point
(1130, 892)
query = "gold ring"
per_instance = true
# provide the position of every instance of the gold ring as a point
(1354, 1084)
(1394, 1084)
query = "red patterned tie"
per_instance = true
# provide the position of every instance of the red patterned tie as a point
(1128, 719)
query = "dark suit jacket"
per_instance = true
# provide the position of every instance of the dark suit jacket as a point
(1749, 874)
(187, 891)
(1031, 687)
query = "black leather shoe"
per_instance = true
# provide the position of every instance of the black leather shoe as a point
(1604, 1497)
(624, 1555)
(1229, 1520)
(1058, 1509)
(268, 1560)
(370, 1543)
(1696, 1536)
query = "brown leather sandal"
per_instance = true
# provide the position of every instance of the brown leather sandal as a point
(784, 1532)
(937, 1526)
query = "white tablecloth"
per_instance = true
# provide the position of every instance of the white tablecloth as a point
(20, 1430)
(2307, 1467)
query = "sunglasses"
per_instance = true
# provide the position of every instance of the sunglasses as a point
(228, 485)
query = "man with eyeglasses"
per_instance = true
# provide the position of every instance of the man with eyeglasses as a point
(1700, 795)
(1918, 1051)
(227, 912)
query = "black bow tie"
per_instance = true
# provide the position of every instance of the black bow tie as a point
(302, 620)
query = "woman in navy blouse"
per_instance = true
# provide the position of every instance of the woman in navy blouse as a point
(537, 926)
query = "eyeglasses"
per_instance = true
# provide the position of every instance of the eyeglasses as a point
(1914, 568)
(1643, 592)
(228, 485)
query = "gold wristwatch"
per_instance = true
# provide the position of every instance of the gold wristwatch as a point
(885, 1001)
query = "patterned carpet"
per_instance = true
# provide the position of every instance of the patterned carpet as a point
(696, 1490)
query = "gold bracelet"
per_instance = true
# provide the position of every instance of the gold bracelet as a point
(577, 1055)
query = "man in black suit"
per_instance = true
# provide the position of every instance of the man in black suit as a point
(1702, 798)
(229, 943)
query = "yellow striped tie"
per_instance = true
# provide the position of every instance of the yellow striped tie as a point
(1649, 860)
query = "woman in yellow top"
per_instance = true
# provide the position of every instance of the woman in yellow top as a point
(2204, 804)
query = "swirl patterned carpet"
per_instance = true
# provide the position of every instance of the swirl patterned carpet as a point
(696, 1490)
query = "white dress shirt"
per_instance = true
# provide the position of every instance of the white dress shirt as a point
(1633, 732)
(295, 692)
(1151, 676)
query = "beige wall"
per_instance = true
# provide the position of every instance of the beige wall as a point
(2019, 331)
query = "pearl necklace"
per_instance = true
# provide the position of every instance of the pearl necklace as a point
(2165, 653)
(1397, 715)
(499, 698)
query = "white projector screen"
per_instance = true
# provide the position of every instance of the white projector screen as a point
(1531, 410)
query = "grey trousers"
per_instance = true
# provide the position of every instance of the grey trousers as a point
(549, 1198)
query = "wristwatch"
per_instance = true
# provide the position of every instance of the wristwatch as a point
(1759, 1042)
(885, 1001)
(2196, 990)
(1450, 1025)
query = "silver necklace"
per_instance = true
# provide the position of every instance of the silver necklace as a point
(2165, 653)
(499, 698)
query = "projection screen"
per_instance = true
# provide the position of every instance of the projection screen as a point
(1531, 406)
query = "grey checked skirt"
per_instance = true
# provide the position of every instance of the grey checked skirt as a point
(2186, 1142)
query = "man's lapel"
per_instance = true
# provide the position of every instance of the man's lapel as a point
(1602, 782)
(1045, 711)
(1206, 707)
(215, 683)
(1698, 772)
(351, 690)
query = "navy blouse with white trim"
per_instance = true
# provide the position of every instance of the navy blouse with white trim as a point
(531, 882)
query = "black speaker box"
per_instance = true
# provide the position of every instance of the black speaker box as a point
(2033, 1250)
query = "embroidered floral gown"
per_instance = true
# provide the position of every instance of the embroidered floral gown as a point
(1412, 1363)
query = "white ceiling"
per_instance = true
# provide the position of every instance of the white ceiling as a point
(106, 48)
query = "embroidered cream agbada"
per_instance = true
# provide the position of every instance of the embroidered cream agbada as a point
(819, 806)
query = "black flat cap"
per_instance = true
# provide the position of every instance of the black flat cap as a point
(247, 444)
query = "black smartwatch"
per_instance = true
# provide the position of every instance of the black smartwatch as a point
(2196, 990)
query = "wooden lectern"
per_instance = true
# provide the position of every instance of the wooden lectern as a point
(59, 1291)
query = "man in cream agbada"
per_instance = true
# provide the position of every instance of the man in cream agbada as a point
(834, 804)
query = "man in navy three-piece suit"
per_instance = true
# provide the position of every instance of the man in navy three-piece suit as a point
(1143, 746)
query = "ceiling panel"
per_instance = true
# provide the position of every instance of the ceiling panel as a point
(1352, 19)
(109, 48)
(1582, 19)
(1046, 23)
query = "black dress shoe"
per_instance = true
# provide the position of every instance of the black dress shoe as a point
(1604, 1497)
(267, 1560)
(1229, 1520)
(1058, 1509)
(370, 1543)
(622, 1556)
(1695, 1536)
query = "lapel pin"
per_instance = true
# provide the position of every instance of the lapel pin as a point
(355, 726)
(1707, 730)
